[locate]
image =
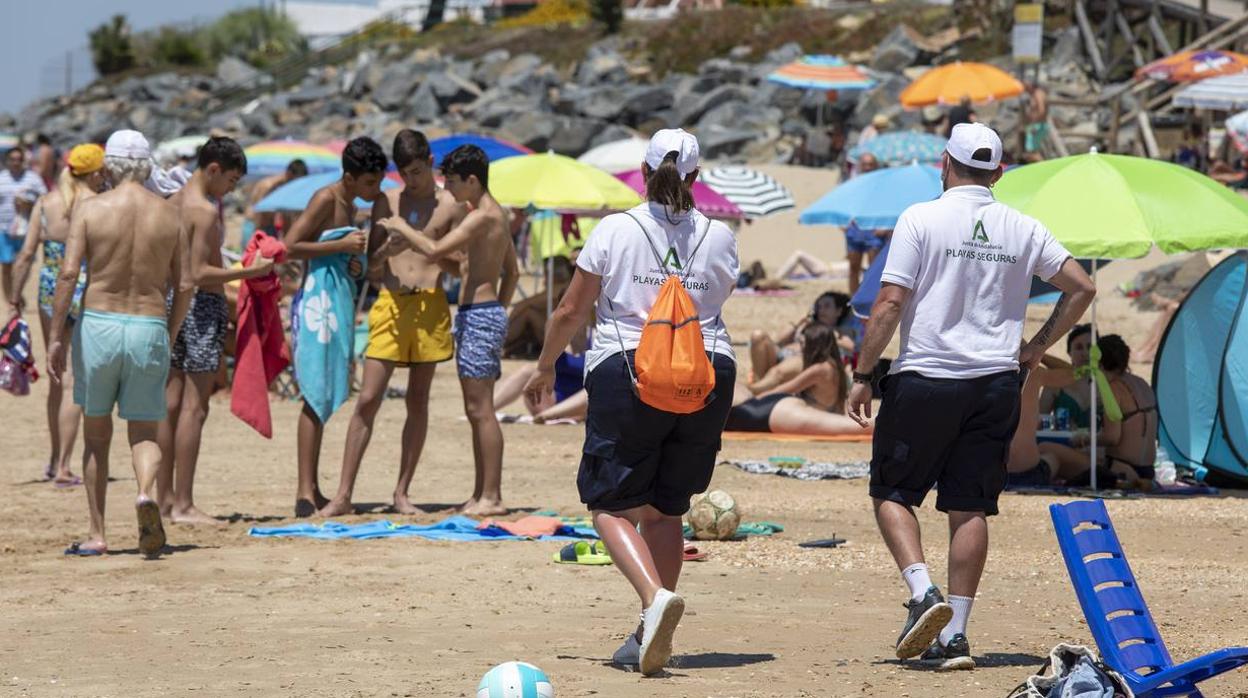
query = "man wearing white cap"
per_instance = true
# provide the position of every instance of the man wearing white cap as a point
(130, 241)
(957, 281)
(640, 464)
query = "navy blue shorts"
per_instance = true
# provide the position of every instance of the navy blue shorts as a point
(635, 454)
(947, 432)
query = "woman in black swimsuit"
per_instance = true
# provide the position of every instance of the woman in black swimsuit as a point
(1130, 445)
(811, 403)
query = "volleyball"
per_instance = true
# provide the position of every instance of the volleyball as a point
(714, 516)
(515, 680)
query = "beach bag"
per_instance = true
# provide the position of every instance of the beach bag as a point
(672, 371)
(1075, 671)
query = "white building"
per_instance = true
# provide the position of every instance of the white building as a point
(321, 23)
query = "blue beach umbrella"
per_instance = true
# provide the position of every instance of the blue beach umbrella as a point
(875, 200)
(495, 148)
(295, 195)
(902, 148)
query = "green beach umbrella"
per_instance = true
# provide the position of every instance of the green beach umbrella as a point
(1119, 206)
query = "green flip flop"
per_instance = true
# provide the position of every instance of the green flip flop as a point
(583, 552)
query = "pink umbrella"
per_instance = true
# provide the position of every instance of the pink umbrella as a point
(708, 201)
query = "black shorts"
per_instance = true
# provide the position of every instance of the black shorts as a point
(947, 432)
(635, 454)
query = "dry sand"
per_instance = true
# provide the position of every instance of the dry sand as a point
(228, 615)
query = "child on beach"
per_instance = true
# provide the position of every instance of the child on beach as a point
(332, 207)
(490, 273)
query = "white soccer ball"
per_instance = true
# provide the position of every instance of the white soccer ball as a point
(515, 680)
(714, 516)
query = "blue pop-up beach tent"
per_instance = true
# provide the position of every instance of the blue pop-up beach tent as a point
(1201, 376)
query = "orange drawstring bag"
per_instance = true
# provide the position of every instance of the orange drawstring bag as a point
(673, 370)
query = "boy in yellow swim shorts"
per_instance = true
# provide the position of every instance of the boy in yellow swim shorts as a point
(409, 324)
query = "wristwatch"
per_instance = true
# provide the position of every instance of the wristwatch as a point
(862, 377)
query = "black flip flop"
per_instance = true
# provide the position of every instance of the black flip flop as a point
(823, 543)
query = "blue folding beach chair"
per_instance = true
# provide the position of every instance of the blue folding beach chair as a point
(1117, 615)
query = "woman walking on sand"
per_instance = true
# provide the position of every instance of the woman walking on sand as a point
(640, 464)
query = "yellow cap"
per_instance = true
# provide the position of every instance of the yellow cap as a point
(85, 159)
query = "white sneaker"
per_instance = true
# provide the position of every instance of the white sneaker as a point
(629, 654)
(659, 621)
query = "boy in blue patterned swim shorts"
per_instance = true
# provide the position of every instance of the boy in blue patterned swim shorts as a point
(489, 273)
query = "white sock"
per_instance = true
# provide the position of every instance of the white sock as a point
(918, 579)
(961, 614)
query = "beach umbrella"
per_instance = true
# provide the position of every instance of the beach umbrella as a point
(272, 157)
(819, 72)
(902, 147)
(1186, 66)
(952, 82)
(876, 199)
(756, 194)
(617, 156)
(12, 140)
(1227, 93)
(495, 148)
(707, 200)
(553, 181)
(170, 150)
(1119, 206)
(295, 195)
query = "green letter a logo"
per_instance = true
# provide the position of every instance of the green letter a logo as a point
(673, 260)
(979, 234)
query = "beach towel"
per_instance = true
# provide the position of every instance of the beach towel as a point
(864, 437)
(454, 528)
(529, 526)
(745, 530)
(260, 352)
(809, 471)
(324, 329)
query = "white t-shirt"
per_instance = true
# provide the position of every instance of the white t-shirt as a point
(969, 262)
(631, 276)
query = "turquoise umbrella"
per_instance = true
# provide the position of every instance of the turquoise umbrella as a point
(876, 199)
(902, 148)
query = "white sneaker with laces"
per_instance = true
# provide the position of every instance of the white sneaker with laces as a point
(659, 624)
(629, 654)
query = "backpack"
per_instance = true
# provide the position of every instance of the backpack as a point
(1075, 671)
(673, 371)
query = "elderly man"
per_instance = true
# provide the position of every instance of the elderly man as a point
(129, 239)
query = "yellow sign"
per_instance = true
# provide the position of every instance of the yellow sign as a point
(1029, 13)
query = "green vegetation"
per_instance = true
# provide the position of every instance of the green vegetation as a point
(111, 49)
(259, 36)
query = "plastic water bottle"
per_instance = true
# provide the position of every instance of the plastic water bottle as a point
(1166, 473)
(1061, 419)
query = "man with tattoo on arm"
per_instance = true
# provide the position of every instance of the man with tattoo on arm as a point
(956, 281)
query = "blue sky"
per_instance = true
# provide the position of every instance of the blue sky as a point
(36, 35)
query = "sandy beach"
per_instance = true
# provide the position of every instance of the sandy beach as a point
(225, 614)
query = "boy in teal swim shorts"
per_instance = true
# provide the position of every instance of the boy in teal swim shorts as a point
(130, 242)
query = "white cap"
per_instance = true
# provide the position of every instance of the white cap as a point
(128, 144)
(968, 138)
(673, 140)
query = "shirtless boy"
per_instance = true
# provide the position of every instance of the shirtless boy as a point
(490, 273)
(130, 241)
(363, 166)
(409, 324)
(198, 349)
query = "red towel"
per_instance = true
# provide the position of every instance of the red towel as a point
(260, 354)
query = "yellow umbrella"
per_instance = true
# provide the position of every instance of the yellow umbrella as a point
(551, 181)
(951, 83)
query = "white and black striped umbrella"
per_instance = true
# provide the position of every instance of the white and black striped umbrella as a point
(755, 193)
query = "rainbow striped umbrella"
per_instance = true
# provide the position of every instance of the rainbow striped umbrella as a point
(272, 157)
(9, 140)
(822, 73)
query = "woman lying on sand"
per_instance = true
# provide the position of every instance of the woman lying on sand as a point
(568, 401)
(777, 360)
(810, 403)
